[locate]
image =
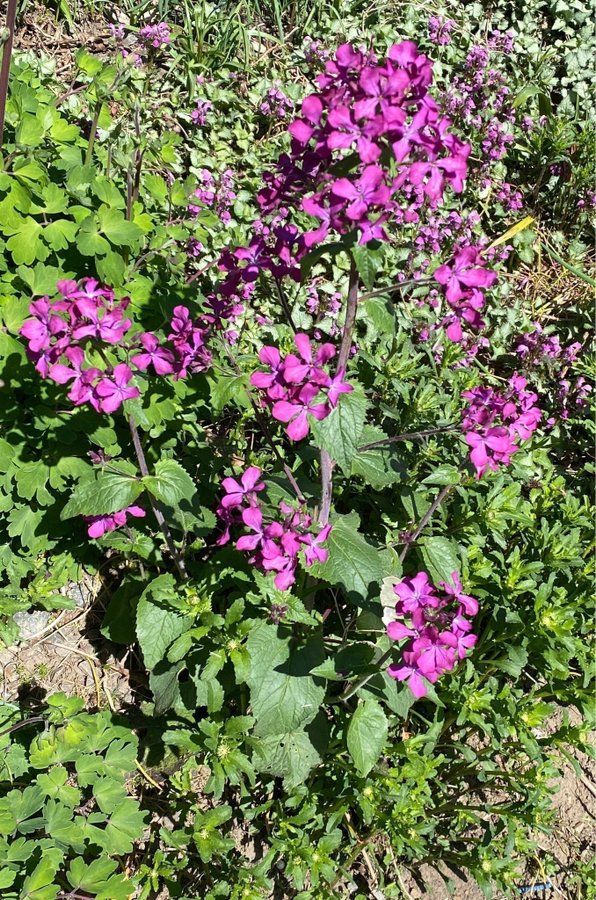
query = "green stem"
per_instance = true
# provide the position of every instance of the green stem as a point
(93, 132)
(159, 516)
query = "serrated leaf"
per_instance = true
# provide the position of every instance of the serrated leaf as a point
(171, 483)
(352, 561)
(443, 475)
(441, 558)
(108, 493)
(158, 625)
(284, 695)
(292, 755)
(379, 466)
(366, 735)
(340, 432)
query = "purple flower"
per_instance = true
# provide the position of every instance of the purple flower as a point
(154, 354)
(114, 390)
(368, 190)
(295, 412)
(313, 552)
(100, 525)
(246, 490)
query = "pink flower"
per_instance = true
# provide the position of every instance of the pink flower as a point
(415, 592)
(154, 354)
(313, 552)
(100, 525)
(368, 190)
(306, 368)
(238, 493)
(464, 272)
(489, 449)
(295, 412)
(455, 590)
(114, 390)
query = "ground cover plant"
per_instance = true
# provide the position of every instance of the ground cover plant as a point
(297, 369)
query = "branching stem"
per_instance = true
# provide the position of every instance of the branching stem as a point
(159, 516)
(411, 436)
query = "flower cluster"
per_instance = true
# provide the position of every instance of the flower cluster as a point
(275, 546)
(276, 104)
(68, 339)
(439, 30)
(437, 628)
(155, 36)
(100, 525)
(536, 346)
(494, 421)
(200, 113)
(59, 332)
(294, 384)
(189, 352)
(215, 193)
(378, 118)
(463, 281)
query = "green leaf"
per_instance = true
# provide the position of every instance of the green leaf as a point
(117, 228)
(513, 663)
(107, 192)
(442, 475)
(229, 388)
(26, 245)
(90, 64)
(89, 240)
(441, 557)
(40, 884)
(158, 625)
(368, 262)
(111, 268)
(284, 695)
(292, 755)
(60, 233)
(97, 878)
(124, 827)
(379, 466)
(171, 482)
(340, 432)
(30, 131)
(366, 735)
(352, 561)
(108, 493)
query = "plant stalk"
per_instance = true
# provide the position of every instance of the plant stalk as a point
(11, 14)
(159, 516)
(327, 463)
(411, 436)
(93, 132)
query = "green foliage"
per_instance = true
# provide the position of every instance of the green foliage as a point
(266, 748)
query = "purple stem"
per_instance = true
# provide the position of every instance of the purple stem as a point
(11, 13)
(327, 463)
